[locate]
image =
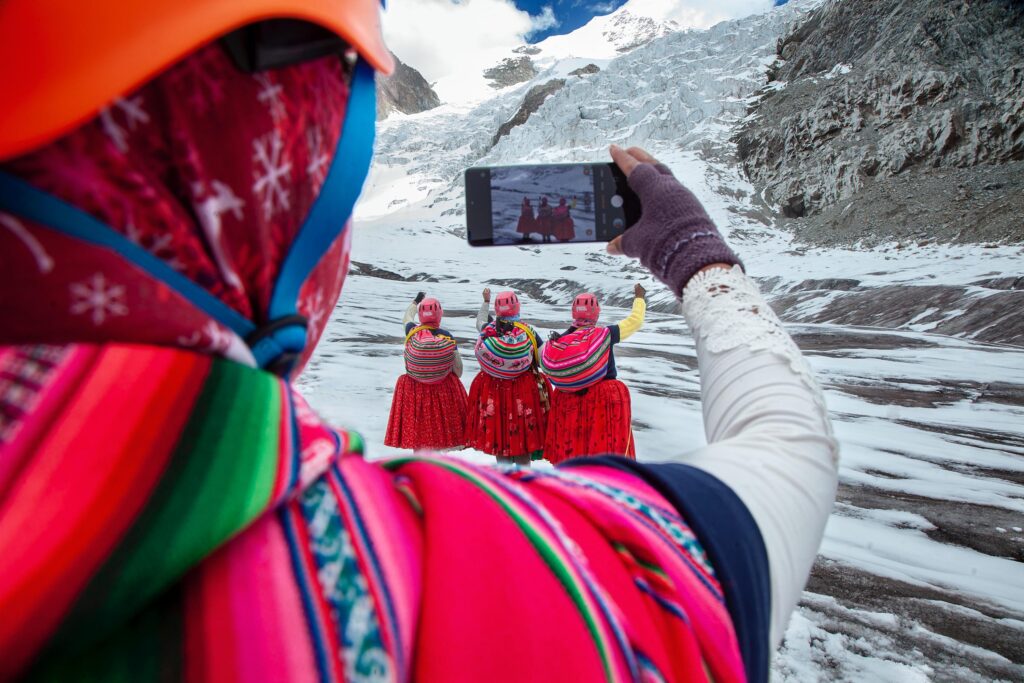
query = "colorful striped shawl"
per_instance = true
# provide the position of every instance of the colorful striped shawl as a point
(429, 356)
(506, 356)
(168, 516)
(577, 360)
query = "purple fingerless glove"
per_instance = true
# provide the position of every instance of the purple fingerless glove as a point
(674, 237)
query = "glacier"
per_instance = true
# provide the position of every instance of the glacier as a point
(920, 575)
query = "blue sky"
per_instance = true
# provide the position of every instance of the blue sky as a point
(571, 14)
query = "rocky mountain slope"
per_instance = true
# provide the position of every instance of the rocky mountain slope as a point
(532, 101)
(510, 71)
(895, 121)
(405, 91)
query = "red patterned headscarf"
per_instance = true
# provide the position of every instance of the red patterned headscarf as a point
(208, 168)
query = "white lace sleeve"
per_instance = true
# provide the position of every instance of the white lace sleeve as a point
(769, 436)
(725, 310)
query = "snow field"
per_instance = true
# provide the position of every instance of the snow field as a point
(931, 492)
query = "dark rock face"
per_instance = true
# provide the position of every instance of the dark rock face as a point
(512, 70)
(925, 94)
(585, 70)
(405, 90)
(531, 103)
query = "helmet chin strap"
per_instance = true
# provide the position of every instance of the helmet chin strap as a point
(277, 344)
(349, 168)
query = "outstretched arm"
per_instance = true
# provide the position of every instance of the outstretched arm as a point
(770, 439)
(769, 436)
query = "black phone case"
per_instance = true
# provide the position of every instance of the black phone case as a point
(494, 203)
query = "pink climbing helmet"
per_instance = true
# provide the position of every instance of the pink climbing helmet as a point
(430, 311)
(585, 310)
(506, 305)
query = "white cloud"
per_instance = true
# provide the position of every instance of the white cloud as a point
(604, 7)
(545, 20)
(439, 37)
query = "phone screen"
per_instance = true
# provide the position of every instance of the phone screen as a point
(548, 204)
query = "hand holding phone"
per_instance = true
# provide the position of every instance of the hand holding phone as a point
(548, 204)
(675, 238)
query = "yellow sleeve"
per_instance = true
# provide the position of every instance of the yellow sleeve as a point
(634, 321)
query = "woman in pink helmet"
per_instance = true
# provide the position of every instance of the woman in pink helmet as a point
(595, 419)
(508, 400)
(175, 182)
(428, 408)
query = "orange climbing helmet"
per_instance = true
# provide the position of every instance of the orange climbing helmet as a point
(61, 61)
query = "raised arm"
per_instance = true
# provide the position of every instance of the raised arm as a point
(409, 319)
(635, 320)
(410, 314)
(483, 315)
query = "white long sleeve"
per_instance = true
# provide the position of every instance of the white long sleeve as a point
(410, 314)
(768, 431)
(482, 315)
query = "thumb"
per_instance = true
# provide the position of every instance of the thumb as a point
(625, 244)
(624, 160)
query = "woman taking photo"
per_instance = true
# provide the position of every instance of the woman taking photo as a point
(171, 508)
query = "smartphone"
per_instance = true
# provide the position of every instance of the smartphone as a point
(548, 204)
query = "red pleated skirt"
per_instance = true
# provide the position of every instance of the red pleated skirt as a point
(596, 422)
(427, 415)
(506, 417)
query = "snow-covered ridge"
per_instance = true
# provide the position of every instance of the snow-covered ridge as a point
(603, 38)
(685, 89)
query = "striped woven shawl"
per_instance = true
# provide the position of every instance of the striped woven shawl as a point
(166, 516)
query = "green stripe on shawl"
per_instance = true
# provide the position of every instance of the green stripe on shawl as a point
(552, 556)
(147, 648)
(219, 479)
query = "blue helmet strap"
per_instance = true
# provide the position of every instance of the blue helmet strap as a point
(277, 344)
(326, 220)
